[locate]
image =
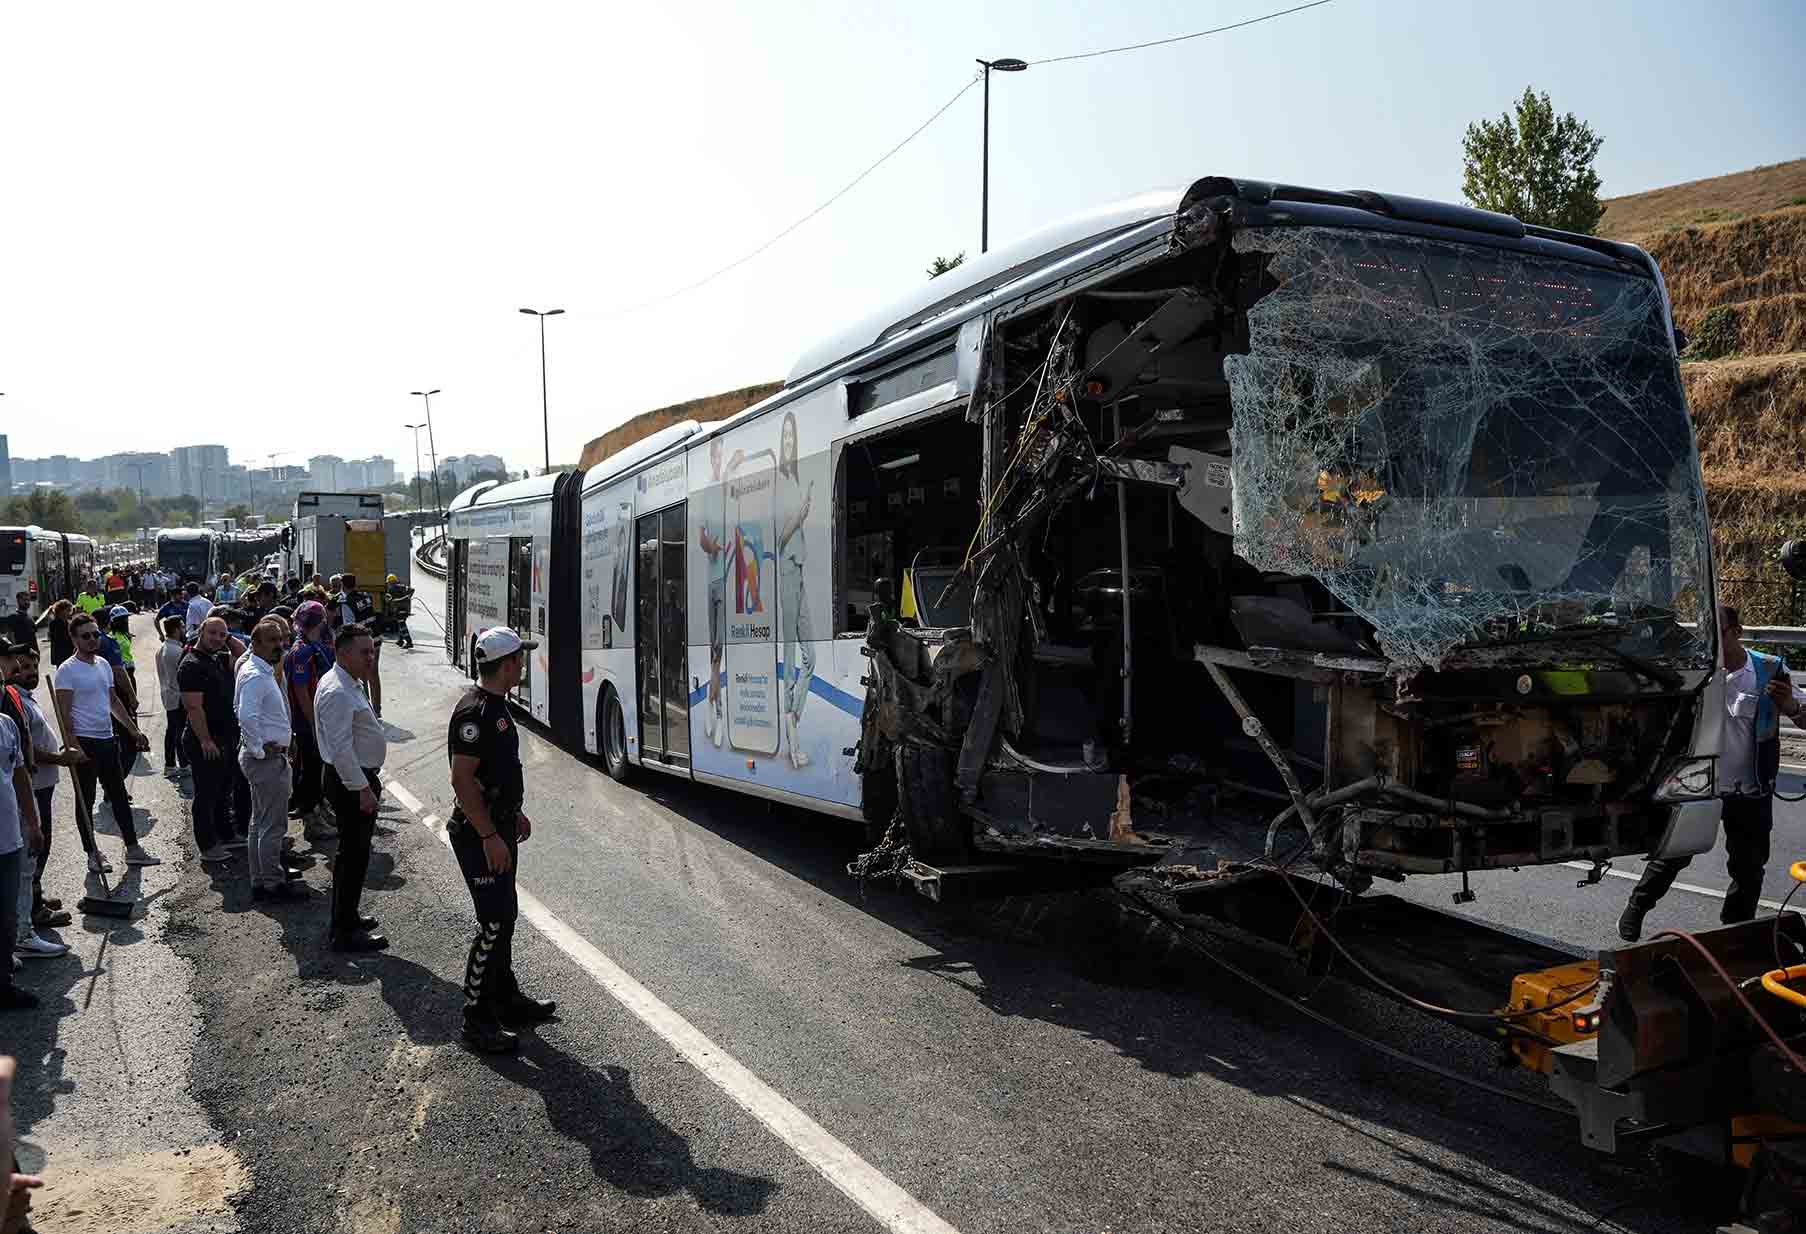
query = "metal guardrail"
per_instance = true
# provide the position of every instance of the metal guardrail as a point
(430, 556)
(1780, 636)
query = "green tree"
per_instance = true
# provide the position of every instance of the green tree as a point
(940, 265)
(1535, 165)
(241, 512)
(51, 510)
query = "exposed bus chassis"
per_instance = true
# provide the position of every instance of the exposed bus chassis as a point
(1317, 734)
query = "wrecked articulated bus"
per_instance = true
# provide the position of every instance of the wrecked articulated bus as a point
(1347, 530)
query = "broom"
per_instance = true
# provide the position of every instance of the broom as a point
(102, 905)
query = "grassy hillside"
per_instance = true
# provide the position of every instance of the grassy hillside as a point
(1722, 199)
(1733, 252)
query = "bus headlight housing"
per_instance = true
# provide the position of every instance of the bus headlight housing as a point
(1689, 779)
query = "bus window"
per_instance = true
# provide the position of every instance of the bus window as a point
(908, 495)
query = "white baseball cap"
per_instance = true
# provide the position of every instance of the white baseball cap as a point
(499, 641)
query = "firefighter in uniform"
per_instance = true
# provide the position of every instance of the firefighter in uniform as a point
(486, 830)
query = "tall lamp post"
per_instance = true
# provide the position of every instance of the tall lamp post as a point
(1004, 64)
(544, 404)
(426, 396)
(416, 428)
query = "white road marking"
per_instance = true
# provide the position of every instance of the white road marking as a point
(1695, 888)
(891, 1206)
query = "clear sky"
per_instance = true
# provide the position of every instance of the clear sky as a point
(262, 225)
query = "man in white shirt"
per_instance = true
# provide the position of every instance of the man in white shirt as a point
(88, 705)
(352, 750)
(198, 608)
(1756, 695)
(263, 755)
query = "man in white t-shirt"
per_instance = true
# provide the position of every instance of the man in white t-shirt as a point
(198, 608)
(88, 705)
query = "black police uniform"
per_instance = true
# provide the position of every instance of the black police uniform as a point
(482, 728)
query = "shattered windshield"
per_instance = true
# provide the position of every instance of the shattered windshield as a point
(1468, 445)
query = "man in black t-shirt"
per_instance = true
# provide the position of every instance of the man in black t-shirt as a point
(486, 830)
(205, 679)
(18, 627)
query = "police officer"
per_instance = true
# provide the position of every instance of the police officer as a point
(487, 827)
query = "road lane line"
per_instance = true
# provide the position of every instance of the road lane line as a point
(854, 1177)
(1695, 888)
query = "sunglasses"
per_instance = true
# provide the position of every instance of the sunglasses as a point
(89, 634)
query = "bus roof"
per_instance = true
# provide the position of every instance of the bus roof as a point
(643, 450)
(534, 488)
(186, 533)
(979, 275)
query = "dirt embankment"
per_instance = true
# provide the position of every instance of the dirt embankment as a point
(1739, 291)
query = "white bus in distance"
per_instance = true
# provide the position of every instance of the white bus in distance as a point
(1384, 508)
(46, 565)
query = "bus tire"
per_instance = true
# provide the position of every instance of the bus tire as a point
(611, 736)
(925, 796)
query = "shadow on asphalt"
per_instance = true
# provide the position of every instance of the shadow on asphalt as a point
(630, 1148)
(1154, 999)
(65, 987)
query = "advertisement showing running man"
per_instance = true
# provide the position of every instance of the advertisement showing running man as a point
(761, 586)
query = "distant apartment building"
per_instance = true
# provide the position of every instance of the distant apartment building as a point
(139, 471)
(330, 472)
(200, 471)
(6, 470)
(326, 471)
(461, 467)
(379, 472)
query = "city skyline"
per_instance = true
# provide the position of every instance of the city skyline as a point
(206, 471)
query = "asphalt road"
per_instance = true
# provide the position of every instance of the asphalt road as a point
(1041, 1063)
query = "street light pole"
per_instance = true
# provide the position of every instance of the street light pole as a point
(416, 428)
(1004, 64)
(544, 404)
(432, 450)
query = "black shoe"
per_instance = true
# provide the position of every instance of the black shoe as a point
(291, 874)
(363, 940)
(12, 998)
(486, 1036)
(1630, 925)
(366, 922)
(523, 1010)
(51, 902)
(280, 891)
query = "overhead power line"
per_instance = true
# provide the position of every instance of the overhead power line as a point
(1178, 38)
(921, 128)
(848, 187)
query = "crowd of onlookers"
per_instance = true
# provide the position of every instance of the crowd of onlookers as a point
(222, 742)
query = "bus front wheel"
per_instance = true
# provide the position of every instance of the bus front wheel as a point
(611, 728)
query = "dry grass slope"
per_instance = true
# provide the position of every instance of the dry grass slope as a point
(1735, 247)
(706, 409)
(1642, 216)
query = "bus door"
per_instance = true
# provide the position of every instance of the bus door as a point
(520, 608)
(660, 636)
(457, 560)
